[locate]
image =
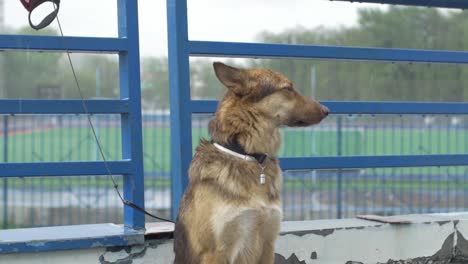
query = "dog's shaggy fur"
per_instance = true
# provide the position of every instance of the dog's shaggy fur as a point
(226, 216)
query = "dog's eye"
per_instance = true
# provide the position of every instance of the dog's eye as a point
(289, 89)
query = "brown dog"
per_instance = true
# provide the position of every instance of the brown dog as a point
(231, 210)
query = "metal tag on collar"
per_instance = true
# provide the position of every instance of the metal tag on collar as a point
(261, 163)
(262, 175)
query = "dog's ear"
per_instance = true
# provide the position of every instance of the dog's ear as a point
(232, 78)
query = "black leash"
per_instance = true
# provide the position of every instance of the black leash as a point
(85, 109)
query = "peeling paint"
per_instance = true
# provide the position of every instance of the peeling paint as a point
(357, 228)
(291, 260)
(441, 223)
(117, 249)
(162, 253)
(418, 261)
(137, 249)
(36, 244)
(461, 248)
(446, 250)
(443, 256)
(122, 255)
(97, 244)
(322, 232)
(157, 243)
(113, 257)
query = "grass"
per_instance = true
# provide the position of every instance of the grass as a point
(323, 184)
(9, 226)
(365, 184)
(59, 183)
(77, 144)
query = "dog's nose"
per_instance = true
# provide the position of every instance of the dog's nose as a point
(325, 110)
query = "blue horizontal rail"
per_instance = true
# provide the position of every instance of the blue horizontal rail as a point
(74, 106)
(53, 43)
(82, 168)
(305, 163)
(462, 4)
(209, 106)
(260, 50)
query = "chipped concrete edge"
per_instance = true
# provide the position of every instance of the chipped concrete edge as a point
(434, 241)
(430, 239)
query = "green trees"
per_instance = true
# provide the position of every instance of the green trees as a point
(418, 28)
(396, 27)
(23, 72)
(154, 83)
(98, 76)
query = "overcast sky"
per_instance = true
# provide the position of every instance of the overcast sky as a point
(223, 20)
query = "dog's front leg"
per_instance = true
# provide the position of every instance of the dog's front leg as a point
(268, 254)
(214, 258)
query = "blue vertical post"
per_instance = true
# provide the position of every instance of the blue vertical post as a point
(339, 175)
(5, 180)
(98, 94)
(129, 67)
(179, 84)
(313, 87)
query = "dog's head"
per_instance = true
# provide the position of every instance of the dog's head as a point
(269, 93)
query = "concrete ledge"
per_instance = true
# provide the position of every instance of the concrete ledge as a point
(67, 237)
(435, 238)
(426, 239)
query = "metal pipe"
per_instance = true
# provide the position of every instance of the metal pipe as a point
(5, 180)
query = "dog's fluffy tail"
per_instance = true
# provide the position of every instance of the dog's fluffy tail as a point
(182, 249)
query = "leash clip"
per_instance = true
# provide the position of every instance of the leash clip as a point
(31, 5)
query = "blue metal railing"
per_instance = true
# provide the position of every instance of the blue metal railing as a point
(182, 107)
(398, 108)
(261, 50)
(128, 106)
(49, 201)
(64, 106)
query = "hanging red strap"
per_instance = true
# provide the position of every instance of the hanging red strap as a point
(26, 4)
(30, 5)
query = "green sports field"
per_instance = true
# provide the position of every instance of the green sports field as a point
(77, 143)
